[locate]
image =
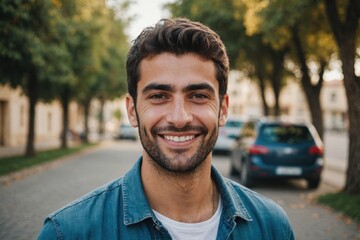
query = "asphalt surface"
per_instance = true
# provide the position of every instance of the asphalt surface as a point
(27, 198)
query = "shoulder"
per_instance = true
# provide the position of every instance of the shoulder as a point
(100, 195)
(85, 212)
(265, 216)
(259, 207)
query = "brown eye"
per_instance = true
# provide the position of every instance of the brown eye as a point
(199, 98)
(157, 96)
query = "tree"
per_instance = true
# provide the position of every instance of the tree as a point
(296, 24)
(32, 55)
(344, 22)
(98, 45)
(112, 77)
(65, 89)
(225, 17)
(99, 57)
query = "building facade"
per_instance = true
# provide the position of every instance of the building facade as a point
(245, 101)
(14, 118)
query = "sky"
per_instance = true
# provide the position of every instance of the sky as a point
(147, 13)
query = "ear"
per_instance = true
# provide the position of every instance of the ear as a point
(131, 112)
(224, 110)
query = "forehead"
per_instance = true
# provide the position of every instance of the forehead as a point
(177, 70)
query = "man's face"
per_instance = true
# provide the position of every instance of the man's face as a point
(178, 110)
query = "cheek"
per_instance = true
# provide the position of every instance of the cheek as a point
(207, 115)
(149, 116)
(210, 109)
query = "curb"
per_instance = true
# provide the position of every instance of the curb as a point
(334, 175)
(27, 172)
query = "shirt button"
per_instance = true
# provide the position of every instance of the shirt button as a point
(157, 227)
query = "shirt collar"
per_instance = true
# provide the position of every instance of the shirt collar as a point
(137, 208)
(135, 204)
(233, 206)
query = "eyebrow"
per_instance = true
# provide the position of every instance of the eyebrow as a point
(200, 86)
(156, 86)
(170, 88)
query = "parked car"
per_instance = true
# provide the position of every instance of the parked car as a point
(278, 149)
(126, 131)
(228, 135)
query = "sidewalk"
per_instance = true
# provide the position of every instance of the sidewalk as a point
(6, 151)
(20, 150)
(334, 173)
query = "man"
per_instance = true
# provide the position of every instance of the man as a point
(177, 83)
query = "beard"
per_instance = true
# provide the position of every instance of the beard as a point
(179, 161)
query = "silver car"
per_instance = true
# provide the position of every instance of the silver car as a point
(126, 131)
(228, 135)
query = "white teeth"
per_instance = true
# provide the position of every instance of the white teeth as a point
(179, 139)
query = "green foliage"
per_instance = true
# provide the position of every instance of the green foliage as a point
(31, 46)
(342, 202)
(72, 44)
(117, 114)
(249, 53)
(280, 18)
(99, 53)
(62, 49)
(221, 15)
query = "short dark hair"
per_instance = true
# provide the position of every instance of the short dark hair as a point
(178, 36)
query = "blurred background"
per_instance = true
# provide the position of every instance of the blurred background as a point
(63, 82)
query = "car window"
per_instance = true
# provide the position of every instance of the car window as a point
(284, 134)
(236, 124)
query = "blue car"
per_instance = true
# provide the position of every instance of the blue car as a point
(278, 149)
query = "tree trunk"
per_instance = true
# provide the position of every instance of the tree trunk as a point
(65, 117)
(33, 97)
(101, 116)
(86, 106)
(313, 101)
(262, 94)
(276, 78)
(312, 92)
(345, 36)
(260, 74)
(352, 86)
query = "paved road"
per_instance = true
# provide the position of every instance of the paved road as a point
(310, 221)
(25, 202)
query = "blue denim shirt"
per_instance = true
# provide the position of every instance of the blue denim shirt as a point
(120, 210)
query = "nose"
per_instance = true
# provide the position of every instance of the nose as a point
(179, 115)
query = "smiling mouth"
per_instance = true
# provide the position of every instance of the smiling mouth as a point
(179, 139)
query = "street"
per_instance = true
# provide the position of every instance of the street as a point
(24, 203)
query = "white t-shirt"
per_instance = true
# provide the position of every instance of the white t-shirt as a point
(206, 230)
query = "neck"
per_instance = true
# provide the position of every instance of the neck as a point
(188, 197)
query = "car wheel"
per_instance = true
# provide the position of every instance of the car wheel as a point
(244, 175)
(313, 183)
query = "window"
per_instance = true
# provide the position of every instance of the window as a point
(49, 121)
(22, 116)
(333, 97)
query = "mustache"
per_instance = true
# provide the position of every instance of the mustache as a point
(187, 128)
